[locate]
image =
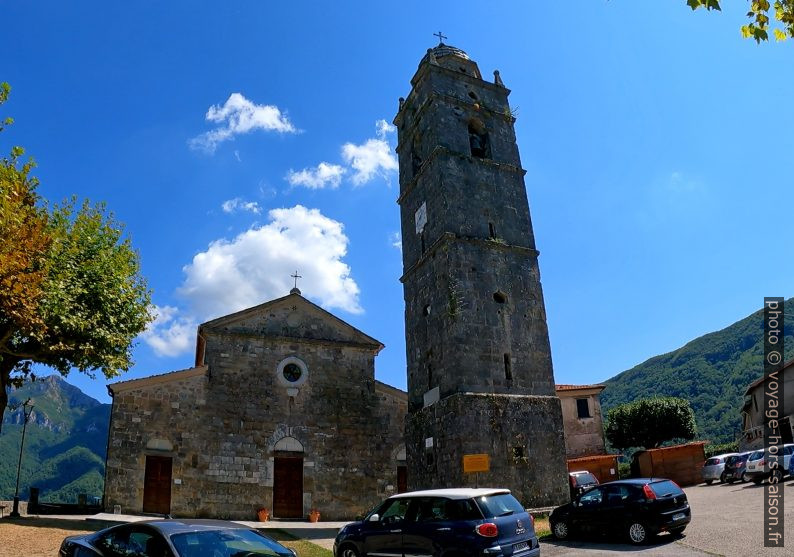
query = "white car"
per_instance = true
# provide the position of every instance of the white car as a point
(714, 468)
(756, 464)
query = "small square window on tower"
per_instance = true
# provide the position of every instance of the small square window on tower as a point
(583, 408)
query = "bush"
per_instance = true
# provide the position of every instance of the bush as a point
(712, 450)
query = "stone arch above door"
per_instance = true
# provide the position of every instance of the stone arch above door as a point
(398, 453)
(288, 444)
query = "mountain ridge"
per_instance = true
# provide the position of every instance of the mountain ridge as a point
(65, 442)
(712, 371)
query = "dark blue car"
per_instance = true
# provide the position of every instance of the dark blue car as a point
(442, 522)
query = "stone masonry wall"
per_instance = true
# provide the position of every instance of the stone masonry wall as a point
(521, 434)
(224, 427)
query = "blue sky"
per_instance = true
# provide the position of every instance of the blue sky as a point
(241, 141)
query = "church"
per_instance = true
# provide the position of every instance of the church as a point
(282, 410)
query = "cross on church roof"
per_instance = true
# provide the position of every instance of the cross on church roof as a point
(296, 276)
(440, 37)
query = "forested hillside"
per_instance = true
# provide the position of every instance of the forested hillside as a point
(65, 442)
(712, 372)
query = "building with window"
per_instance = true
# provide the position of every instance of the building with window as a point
(583, 424)
(281, 411)
(753, 418)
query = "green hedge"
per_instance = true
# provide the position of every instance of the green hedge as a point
(722, 448)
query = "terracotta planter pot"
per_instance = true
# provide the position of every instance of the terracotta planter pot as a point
(263, 515)
(314, 516)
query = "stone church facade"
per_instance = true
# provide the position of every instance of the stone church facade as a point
(282, 411)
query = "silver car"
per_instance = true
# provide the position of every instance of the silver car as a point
(714, 468)
(757, 469)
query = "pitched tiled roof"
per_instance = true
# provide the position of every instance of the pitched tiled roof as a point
(578, 387)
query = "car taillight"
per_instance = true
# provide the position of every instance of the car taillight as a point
(572, 480)
(649, 494)
(487, 530)
(760, 462)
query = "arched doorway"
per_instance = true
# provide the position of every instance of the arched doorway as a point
(288, 478)
(157, 476)
(402, 470)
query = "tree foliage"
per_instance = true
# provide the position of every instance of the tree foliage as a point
(650, 422)
(71, 292)
(759, 26)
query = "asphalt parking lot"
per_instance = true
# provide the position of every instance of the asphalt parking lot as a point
(726, 520)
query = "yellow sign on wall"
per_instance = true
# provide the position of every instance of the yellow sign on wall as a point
(476, 463)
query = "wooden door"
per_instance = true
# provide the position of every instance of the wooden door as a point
(288, 487)
(157, 485)
(402, 479)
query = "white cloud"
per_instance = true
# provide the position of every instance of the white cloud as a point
(170, 334)
(239, 115)
(396, 241)
(382, 127)
(237, 204)
(372, 158)
(323, 175)
(255, 266)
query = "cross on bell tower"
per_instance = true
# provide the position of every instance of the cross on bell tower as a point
(480, 377)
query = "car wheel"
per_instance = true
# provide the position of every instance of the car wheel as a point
(745, 479)
(348, 551)
(638, 533)
(776, 477)
(560, 530)
(709, 482)
(722, 478)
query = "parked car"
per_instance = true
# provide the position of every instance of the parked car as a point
(714, 468)
(790, 468)
(757, 469)
(448, 522)
(637, 509)
(581, 482)
(735, 467)
(174, 538)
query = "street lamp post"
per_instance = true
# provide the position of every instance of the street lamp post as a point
(27, 409)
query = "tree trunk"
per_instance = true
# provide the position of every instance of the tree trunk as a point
(7, 364)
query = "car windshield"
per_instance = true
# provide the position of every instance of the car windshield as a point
(226, 543)
(501, 504)
(585, 479)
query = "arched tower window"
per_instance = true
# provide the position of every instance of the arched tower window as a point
(478, 140)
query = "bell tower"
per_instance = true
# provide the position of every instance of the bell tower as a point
(480, 378)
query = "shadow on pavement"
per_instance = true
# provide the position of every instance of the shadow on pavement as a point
(610, 543)
(61, 523)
